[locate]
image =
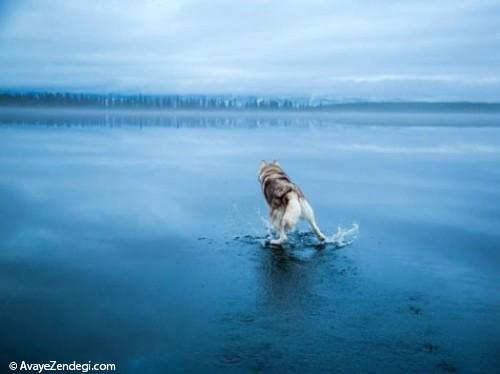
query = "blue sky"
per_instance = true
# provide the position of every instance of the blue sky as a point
(435, 50)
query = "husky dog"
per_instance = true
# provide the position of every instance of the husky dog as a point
(287, 204)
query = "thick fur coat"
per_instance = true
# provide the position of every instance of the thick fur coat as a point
(287, 203)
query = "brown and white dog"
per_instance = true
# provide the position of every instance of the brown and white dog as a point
(287, 204)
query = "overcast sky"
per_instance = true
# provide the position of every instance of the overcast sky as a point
(427, 49)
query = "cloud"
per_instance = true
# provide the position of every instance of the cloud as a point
(387, 49)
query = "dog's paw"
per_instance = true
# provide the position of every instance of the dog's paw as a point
(321, 237)
(275, 243)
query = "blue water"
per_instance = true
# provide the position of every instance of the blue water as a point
(137, 240)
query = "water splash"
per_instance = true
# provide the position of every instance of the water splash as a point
(266, 223)
(344, 237)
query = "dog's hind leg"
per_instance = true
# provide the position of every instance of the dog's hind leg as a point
(289, 220)
(281, 229)
(281, 239)
(308, 214)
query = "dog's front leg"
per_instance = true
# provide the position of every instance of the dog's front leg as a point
(278, 227)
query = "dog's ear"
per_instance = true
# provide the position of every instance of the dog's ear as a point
(276, 163)
(262, 165)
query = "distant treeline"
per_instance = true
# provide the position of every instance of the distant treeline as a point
(149, 101)
(225, 102)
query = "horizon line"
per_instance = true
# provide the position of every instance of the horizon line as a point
(335, 100)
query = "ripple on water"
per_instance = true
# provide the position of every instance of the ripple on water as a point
(229, 357)
(256, 356)
(446, 367)
(246, 318)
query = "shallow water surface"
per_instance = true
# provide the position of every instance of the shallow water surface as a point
(142, 245)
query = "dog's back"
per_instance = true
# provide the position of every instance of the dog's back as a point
(276, 186)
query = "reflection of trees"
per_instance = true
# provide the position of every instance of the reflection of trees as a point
(118, 118)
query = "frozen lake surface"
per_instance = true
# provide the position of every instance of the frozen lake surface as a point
(136, 239)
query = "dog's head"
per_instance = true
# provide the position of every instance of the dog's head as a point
(264, 166)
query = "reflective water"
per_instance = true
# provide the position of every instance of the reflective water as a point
(142, 245)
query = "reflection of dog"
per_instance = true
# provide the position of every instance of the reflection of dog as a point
(287, 204)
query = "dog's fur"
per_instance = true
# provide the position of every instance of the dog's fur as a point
(286, 202)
